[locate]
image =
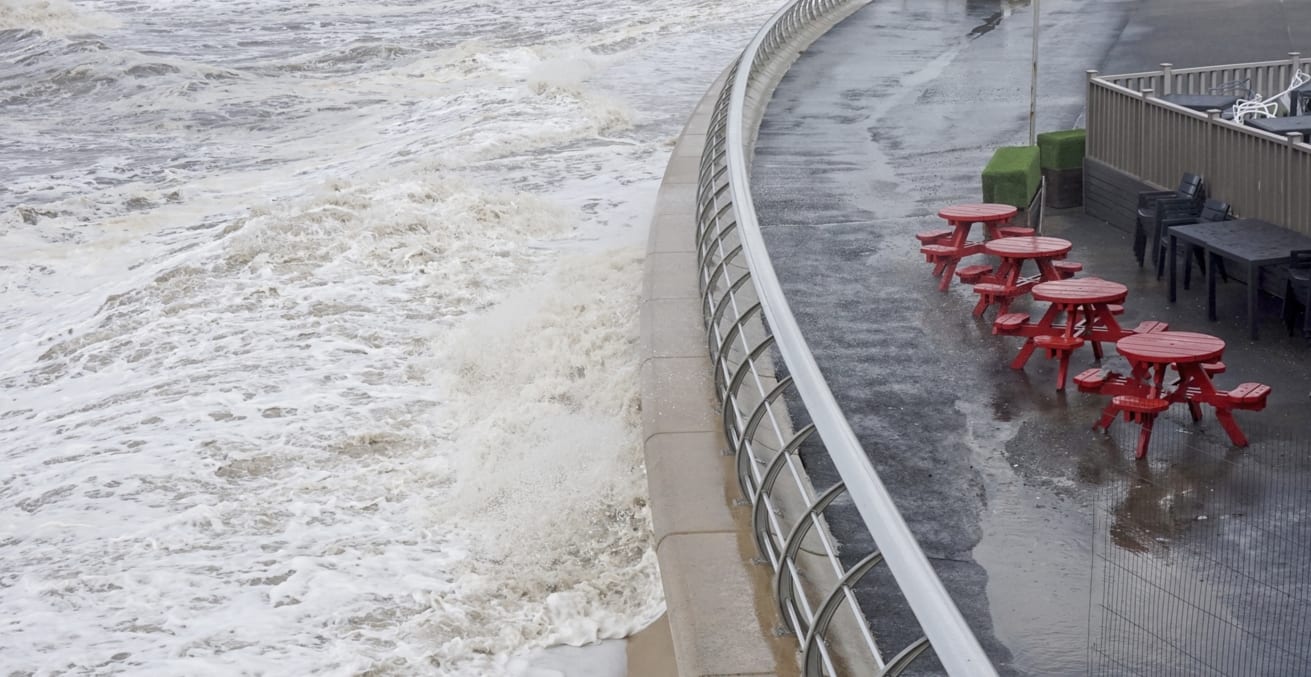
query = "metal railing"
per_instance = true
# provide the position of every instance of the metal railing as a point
(1260, 174)
(759, 356)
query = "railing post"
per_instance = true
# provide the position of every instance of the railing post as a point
(1286, 218)
(1212, 124)
(1139, 161)
(1167, 79)
(1295, 60)
(1090, 143)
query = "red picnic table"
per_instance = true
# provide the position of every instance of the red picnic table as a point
(1146, 393)
(945, 247)
(1007, 283)
(1089, 306)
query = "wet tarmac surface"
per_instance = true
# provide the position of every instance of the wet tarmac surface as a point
(1066, 555)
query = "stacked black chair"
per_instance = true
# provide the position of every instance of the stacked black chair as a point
(1297, 291)
(1190, 193)
(1179, 212)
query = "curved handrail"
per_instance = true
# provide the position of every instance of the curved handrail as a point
(725, 177)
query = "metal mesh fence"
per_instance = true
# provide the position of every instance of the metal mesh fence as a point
(1202, 557)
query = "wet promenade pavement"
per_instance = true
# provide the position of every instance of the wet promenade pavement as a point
(1066, 555)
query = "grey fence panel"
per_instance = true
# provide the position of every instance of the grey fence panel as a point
(1262, 175)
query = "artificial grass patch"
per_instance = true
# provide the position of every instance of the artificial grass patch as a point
(1063, 149)
(1012, 176)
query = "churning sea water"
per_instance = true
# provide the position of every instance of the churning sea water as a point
(319, 327)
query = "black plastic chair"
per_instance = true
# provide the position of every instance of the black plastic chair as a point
(1190, 188)
(1178, 212)
(1297, 291)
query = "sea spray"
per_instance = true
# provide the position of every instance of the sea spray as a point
(547, 452)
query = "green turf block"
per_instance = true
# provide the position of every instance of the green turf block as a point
(1012, 176)
(1063, 149)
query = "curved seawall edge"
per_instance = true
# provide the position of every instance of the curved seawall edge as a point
(721, 612)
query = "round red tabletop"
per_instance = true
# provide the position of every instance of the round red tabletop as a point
(984, 212)
(1080, 290)
(1171, 346)
(1033, 247)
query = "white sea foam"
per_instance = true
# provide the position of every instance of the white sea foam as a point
(58, 17)
(320, 327)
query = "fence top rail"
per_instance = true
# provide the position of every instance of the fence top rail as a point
(1105, 82)
(1294, 59)
(1149, 99)
(952, 639)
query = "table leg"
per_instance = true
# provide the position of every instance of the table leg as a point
(962, 233)
(1063, 369)
(1026, 350)
(1226, 418)
(1047, 271)
(1093, 314)
(1188, 266)
(1210, 285)
(1158, 382)
(1173, 245)
(1253, 272)
(947, 272)
(1145, 435)
(1108, 416)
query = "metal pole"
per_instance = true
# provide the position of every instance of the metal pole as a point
(1033, 79)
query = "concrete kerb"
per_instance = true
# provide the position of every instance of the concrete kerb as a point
(721, 610)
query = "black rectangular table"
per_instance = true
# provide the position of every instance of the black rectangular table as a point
(1250, 243)
(1282, 126)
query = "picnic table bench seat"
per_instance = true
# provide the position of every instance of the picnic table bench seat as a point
(1059, 342)
(935, 236)
(1250, 396)
(1090, 380)
(972, 274)
(1149, 326)
(1060, 347)
(1245, 396)
(1140, 409)
(1095, 380)
(1016, 231)
(1067, 269)
(1138, 404)
(1007, 323)
(933, 252)
(992, 293)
